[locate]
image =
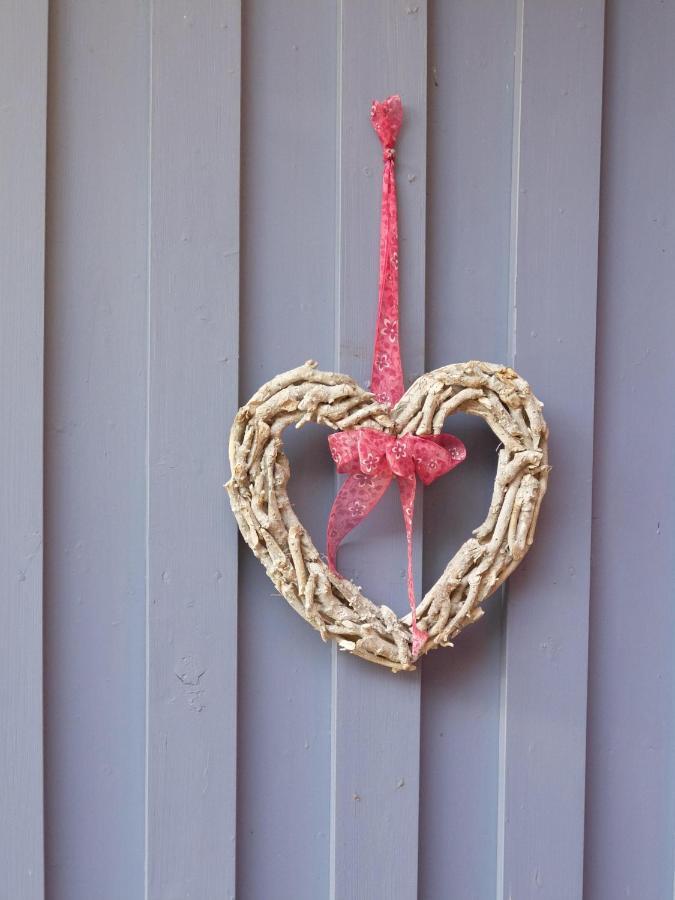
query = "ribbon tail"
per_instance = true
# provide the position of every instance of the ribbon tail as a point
(353, 502)
(407, 487)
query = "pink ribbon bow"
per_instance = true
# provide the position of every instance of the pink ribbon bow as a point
(372, 458)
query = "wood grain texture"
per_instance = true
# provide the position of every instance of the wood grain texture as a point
(287, 317)
(555, 190)
(630, 817)
(140, 385)
(95, 390)
(376, 716)
(192, 396)
(23, 114)
(470, 87)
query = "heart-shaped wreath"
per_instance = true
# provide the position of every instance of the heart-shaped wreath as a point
(386, 434)
(333, 604)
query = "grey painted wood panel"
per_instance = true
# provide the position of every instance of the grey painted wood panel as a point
(630, 820)
(23, 105)
(95, 449)
(376, 715)
(287, 317)
(468, 225)
(140, 385)
(192, 397)
(554, 275)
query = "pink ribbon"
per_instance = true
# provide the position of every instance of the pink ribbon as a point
(372, 458)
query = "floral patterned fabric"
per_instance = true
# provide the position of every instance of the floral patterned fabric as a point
(371, 458)
(386, 381)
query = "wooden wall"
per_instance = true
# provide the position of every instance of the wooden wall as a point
(190, 198)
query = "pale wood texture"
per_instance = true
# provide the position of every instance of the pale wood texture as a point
(554, 252)
(95, 447)
(287, 316)
(23, 101)
(334, 605)
(337, 758)
(382, 49)
(468, 221)
(630, 781)
(192, 385)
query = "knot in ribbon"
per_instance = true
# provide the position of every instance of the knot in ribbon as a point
(372, 458)
(367, 451)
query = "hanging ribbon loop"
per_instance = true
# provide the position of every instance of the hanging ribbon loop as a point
(386, 380)
(373, 458)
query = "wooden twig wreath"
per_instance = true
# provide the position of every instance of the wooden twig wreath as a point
(389, 434)
(331, 603)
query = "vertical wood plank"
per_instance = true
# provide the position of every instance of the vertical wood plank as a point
(555, 193)
(468, 225)
(287, 317)
(23, 114)
(630, 813)
(191, 540)
(376, 715)
(95, 392)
